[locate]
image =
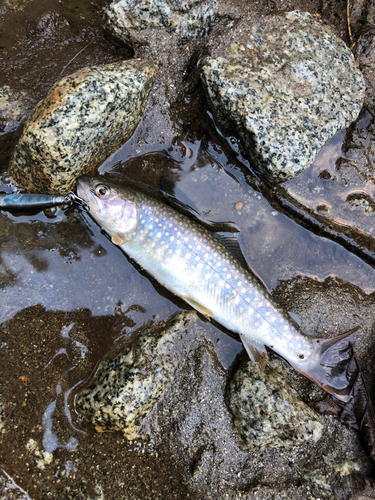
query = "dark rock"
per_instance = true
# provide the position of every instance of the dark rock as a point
(365, 53)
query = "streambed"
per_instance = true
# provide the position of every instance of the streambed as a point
(68, 297)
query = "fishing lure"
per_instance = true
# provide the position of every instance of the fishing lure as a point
(24, 201)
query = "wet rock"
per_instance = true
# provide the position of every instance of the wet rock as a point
(286, 84)
(14, 107)
(174, 377)
(126, 388)
(340, 185)
(84, 118)
(365, 53)
(267, 412)
(188, 18)
(9, 490)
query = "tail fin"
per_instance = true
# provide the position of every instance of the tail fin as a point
(328, 366)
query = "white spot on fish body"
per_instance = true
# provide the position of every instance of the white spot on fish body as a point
(158, 235)
(188, 255)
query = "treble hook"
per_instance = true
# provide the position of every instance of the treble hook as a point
(71, 197)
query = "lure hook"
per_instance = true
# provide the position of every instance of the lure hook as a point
(71, 197)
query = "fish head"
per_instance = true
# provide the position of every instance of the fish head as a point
(115, 209)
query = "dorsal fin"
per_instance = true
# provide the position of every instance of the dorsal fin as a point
(183, 208)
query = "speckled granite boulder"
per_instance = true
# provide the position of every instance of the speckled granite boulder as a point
(267, 412)
(286, 84)
(125, 389)
(84, 118)
(188, 18)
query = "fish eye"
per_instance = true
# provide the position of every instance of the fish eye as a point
(102, 191)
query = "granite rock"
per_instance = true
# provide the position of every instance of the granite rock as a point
(286, 84)
(84, 118)
(267, 412)
(125, 389)
(188, 18)
(169, 394)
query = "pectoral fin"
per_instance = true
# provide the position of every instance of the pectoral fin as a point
(257, 353)
(199, 307)
(119, 239)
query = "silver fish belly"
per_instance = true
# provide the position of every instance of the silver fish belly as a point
(190, 262)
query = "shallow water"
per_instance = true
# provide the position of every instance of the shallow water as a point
(68, 296)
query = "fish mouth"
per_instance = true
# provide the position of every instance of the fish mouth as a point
(85, 190)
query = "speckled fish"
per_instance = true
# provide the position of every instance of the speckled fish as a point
(190, 262)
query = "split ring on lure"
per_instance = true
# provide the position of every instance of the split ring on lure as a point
(24, 201)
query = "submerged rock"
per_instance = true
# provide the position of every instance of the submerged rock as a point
(267, 412)
(188, 18)
(125, 389)
(286, 84)
(84, 118)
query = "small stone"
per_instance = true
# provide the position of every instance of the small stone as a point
(188, 18)
(287, 84)
(84, 118)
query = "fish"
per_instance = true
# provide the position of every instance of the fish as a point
(194, 265)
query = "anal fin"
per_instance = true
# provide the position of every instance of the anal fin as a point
(257, 353)
(199, 307)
